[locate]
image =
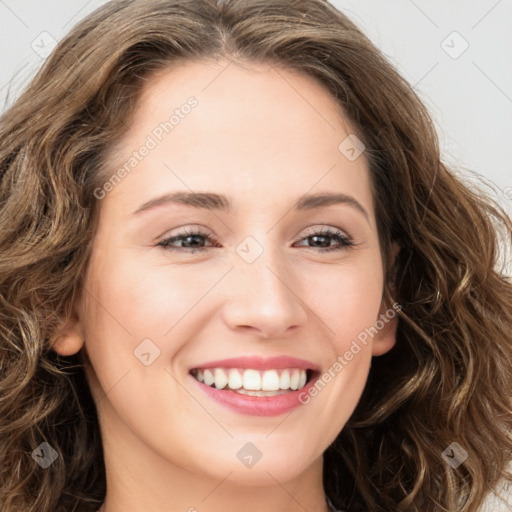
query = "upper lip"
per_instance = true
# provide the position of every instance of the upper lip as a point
(260, 363)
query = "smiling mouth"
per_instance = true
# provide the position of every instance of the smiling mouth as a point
(248, 381)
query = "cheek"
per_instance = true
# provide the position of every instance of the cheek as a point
(141, 301)
(132, 310)
(131, 302)
(349, 310)
(125, 306)
(348, 304)
(347, 299)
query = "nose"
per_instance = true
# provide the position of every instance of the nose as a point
(265, 297)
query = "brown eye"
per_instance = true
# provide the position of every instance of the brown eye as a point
(191, 241)
(323, 237)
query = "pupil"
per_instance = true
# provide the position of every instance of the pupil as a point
(192, 237)
(317, 237)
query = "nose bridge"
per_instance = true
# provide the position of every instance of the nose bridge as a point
(265, 294)
(263, 265)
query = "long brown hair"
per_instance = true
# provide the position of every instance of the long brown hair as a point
(448, 377)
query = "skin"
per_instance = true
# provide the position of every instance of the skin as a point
(265, 137)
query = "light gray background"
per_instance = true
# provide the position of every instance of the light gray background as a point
(469, 93)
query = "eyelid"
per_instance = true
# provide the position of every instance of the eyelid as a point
(196, 228)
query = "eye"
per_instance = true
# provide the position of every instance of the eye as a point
(344, 240)
(194, 238)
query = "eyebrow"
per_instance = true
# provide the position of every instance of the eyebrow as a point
(222, 203)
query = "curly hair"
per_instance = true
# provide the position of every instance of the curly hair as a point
(446, 380)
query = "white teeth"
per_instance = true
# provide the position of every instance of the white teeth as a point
(221, 379)
(252, 382)
(208, 377)
(270, 381)
(294, 379)
(302, 380)
(284, 380)
(235, 379)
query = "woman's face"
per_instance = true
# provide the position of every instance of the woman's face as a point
(256, 282)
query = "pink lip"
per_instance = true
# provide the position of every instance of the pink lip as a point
(260, 363)
(258, 405)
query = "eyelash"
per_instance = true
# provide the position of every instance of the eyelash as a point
(345, 240)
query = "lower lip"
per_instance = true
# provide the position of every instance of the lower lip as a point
(257, 405)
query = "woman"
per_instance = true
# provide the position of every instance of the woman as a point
(336, 336)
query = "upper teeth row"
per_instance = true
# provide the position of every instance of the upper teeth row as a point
(269, 380)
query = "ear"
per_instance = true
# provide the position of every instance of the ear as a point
(68, 339)
(386, 324)
(387, 320)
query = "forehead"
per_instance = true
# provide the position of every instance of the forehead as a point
(254, 128)
(254, 95)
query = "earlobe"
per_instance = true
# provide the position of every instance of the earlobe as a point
(385, 339)
(387, 320)
(68, 340)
